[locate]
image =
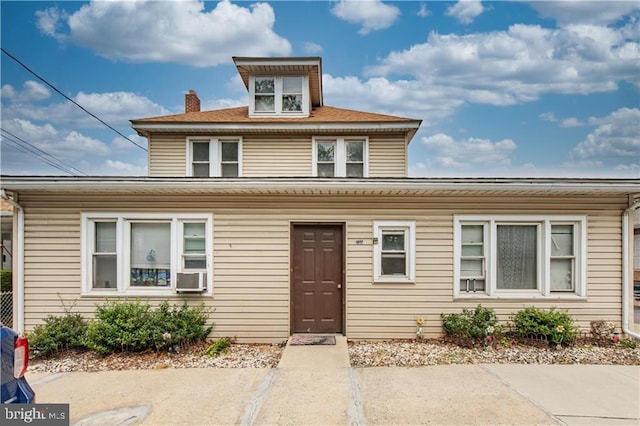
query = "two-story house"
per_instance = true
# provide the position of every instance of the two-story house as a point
(291, 216)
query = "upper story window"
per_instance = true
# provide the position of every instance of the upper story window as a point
(520, 256)
(214, 157)
(279, 95)
(340, 157)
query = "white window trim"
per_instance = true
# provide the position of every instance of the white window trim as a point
(278, 97)
(215, 153)
(123, 248)
(544, 223)
(410, 227)
(341, 153)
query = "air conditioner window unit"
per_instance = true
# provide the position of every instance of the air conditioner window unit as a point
(191, 282)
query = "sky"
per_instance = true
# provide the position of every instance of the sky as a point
(515, 89)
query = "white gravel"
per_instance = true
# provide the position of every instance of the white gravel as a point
(361, 354)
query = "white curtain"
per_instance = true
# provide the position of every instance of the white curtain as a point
(151, 245)
(517, 257)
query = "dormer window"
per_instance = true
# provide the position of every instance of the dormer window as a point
(279, 95)
(292, 94)
(265, 94)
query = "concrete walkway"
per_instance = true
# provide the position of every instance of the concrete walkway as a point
(315, 385)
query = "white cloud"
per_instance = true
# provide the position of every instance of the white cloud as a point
(520, 64)
(372, 15)
(116, 167)
(617, 138)
(404, 98)
(64, 144)
(580, 11)
(312, 48)
(466, 11)
(115, 108)
(423, 12)
(467, 155)
(32, 91)
(168, 31)
(548, 116)
(50, 21)
(571, 122)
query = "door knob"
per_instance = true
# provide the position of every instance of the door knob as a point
(339, 285)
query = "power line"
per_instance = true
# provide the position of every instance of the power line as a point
(42, 155)
(20, 148)
(45, 153)
(69, 99)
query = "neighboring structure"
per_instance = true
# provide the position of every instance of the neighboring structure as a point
(290, 216)
(636, 258)
(6, 231)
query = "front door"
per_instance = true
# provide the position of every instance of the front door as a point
(316, 279)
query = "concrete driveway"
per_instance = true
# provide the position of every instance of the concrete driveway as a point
(316, 385)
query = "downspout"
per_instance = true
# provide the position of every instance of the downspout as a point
(18, 261)
(626, 246)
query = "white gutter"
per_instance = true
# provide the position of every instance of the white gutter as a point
(306, 185)
(277, 126)
(626, 288)
(18, 262)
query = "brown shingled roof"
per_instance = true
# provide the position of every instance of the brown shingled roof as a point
(241, 115)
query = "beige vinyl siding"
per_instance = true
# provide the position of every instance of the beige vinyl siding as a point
(285, 156)
(278, 155)
(167, 155)
(387, 156)
(251, 258)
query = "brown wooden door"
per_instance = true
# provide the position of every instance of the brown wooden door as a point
(316, 283)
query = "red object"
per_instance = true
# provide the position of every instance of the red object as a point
(615, 338)
(489, 338)
(21, 357)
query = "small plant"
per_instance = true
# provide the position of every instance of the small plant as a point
(556, 327)
(472, 327)
(218, 347)
(628, 343)
(58, 333)
(420, 321)
(6, 281)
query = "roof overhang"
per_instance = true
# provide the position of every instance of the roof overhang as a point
(321, 187)
(409, 127)
(311, 66)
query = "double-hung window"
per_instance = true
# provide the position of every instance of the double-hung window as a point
(281, 95)
(520, 256)
(214, 157)
(340, 157)
(143, 254)
(394, 252)
(104, 256)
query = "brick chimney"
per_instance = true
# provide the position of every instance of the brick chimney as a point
(191, 102)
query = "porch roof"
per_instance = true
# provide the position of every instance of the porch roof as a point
(320, 186)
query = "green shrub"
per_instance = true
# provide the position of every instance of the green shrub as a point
(472, 326)
(6, 281)
(182, 325)
(135, 326)
(556, 327)
(58, 333)
(121, 326)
